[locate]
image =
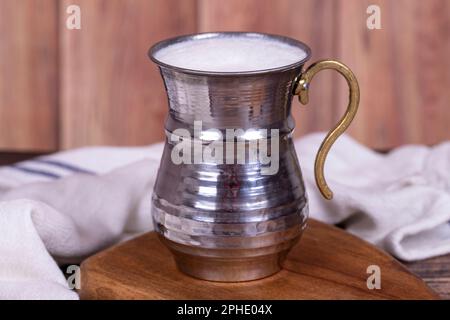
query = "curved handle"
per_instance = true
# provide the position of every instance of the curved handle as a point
(302, 91)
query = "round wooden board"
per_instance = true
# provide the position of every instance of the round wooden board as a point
(327, 263)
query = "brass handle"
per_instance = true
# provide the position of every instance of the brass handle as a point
(302, 91)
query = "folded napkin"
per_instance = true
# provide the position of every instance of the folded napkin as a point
(61, 208)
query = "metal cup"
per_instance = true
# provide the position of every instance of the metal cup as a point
(229, 221)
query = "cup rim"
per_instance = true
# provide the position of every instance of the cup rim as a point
(207, 35)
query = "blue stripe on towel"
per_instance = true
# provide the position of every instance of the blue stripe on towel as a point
(63, 165)
(44, 173)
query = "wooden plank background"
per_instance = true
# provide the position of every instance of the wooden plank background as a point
(28, 75)
(64, 88)
(110, 92)
(403, 71)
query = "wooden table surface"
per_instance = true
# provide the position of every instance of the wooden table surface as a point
(327, 263)
(435, 272)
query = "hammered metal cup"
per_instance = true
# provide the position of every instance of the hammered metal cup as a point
(230, 222)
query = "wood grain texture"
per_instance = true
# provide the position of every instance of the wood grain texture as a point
(28, 75)
(328, 263)
(110, 91)
(435, 272)
(403, 71)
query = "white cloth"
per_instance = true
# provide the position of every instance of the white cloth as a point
(61, 208)
(399, 201)
(49, 212)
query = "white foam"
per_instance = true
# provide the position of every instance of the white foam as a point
(230, 54)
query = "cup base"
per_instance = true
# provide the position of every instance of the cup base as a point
(229, 269)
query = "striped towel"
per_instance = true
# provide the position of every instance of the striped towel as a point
(89, 160)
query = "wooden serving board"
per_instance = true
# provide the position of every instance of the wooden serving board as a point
(327, 263)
